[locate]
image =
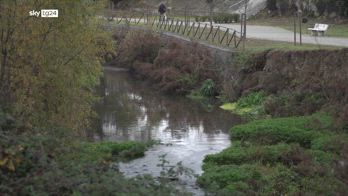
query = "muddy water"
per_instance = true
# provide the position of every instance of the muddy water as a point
(188, 131)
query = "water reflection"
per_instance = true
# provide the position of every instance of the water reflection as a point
(133, 111)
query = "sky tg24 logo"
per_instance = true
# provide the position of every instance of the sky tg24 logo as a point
(45, 13)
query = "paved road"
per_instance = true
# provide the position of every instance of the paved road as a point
(279, 34)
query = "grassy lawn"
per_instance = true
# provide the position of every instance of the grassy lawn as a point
(335, 30)
(256, 45)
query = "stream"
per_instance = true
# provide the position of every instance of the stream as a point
(187, 130)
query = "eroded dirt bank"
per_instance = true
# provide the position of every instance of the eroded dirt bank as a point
(306, 80)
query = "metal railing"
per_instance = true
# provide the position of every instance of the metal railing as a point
(204, 31)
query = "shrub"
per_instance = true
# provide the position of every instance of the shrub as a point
(249, 179)
(272, 131)
(253, 99)
(228, 177)
(179, 67)
(238, 154)
(298, 103)
(208, 88)
(219, 18)
(334, 143)
(138, 45)
(341, 119)
(250, 105)
(294, 157)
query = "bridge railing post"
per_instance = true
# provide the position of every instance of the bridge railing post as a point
(179, 27)
(217, 30)
(230, 40)
(205, 26)
(189, 31)
(199, 26)
(223, 37)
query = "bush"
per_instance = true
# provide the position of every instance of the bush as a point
(288, 130)
(219, 18)
(253, 99)
(138, 45)
(238, 154)
(208, 88)
(334, 144)
(341, 118)
(55, 162)
(250, 105)
(178, 67)
(228, 178)
(283, 156)
(249, 179)
(298, 103)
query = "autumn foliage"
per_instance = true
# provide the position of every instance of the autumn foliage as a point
(50, 66)
(173, 66)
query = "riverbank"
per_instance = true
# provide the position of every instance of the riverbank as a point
(132, 109)
(64, 164)
(300, 95)
(292, 155)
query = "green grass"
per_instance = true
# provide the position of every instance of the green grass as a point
(258, 45)
(300, 130)
(281, 156)
(239, 154)
(102, 152)
(334, 30)
(250, 105)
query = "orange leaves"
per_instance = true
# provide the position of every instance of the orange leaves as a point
(11, 158)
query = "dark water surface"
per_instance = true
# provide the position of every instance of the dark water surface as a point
(132, 110)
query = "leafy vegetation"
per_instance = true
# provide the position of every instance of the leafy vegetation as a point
(250, 105)
(219, 18)
(59, 163)
(208, 88)
(49, 68)
(318, 8)
(37, 53)
(174, 67)
(300, 130)
(294, 155)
